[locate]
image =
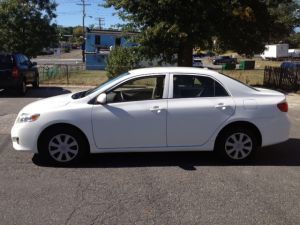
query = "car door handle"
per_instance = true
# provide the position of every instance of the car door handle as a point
(221, 106)
(155, 109)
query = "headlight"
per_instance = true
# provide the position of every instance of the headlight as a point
(25, 117)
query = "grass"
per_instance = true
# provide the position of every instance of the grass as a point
(260, 64)
(251, 77)
(94, 78)
(85, 77)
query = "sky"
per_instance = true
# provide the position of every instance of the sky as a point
(70, 14)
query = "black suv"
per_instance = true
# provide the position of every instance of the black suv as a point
(16, 71)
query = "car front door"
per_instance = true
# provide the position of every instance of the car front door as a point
(134, 116)
(199, 105)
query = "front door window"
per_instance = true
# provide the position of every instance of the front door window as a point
(145, 88)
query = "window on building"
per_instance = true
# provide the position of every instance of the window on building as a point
(97, 40)
(118, 41)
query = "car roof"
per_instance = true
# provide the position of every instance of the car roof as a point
(183, 70)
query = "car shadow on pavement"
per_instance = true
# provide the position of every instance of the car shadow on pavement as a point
(284, 154)
(41, 92)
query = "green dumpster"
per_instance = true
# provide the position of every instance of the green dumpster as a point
(228, 66)
(247, 65)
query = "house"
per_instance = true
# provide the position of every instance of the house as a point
(98, 44)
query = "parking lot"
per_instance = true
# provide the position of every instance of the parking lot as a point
(148, 188)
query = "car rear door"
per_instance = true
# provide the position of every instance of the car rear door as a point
(197, 106)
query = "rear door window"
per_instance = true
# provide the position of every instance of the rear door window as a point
(189, 86)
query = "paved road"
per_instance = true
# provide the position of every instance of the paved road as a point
(148, 188)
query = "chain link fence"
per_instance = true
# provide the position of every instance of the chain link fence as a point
(77, 74)
(60, 73)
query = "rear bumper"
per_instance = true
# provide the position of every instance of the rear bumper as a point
(274, 130)
(5, 84)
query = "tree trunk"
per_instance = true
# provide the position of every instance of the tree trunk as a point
(185, 54)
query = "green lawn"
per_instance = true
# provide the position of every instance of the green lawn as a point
(94, 78)
(251, 77)
(85, 77)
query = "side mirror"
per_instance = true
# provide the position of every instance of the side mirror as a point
(101, 99)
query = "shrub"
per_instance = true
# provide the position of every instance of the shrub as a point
(122, 59)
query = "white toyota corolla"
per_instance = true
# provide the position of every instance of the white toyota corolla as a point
(155, 109)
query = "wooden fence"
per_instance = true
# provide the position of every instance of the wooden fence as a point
(281, 78)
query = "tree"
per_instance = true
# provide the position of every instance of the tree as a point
(294, 40)
(174, 27)
(121, 60)
(26, 26)
(285, 16)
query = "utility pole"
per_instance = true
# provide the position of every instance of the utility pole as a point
(83, 4)
(101, 21)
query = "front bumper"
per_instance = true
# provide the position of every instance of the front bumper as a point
(24, 137)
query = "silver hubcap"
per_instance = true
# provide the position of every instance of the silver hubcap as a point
(238, 146)
(63, 148)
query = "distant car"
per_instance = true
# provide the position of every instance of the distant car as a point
(16, 71)
(199, 55)
(155, 109)
(47, 51)
(290, 65)
(197, 62)
(224, 59)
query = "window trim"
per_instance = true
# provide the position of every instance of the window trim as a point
(171, 86)
(165, 92)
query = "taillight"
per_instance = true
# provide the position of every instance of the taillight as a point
(283, 107)
(15, 73)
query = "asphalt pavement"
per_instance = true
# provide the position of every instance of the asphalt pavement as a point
(148, 188)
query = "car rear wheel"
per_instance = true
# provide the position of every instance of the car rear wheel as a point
(36, 83)
(237, 144)
(63, 146)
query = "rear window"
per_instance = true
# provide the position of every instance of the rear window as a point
(5, 60)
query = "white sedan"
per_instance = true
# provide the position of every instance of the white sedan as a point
(155, 109)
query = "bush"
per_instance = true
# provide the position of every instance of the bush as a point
(122, 59)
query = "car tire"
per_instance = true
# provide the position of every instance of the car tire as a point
(237, 144)
(62, 146)
(36, 83)
(22, 88)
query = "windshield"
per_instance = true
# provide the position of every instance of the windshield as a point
(88, 92)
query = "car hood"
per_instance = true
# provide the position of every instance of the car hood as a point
(47, 104)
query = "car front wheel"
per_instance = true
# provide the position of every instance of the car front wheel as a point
(237, 144)
(22, 88)
(63, 146)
